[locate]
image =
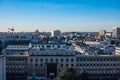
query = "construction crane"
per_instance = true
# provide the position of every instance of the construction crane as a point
(12, 30)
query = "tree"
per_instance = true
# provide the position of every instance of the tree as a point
(71, 74)
(67, 74)
(83, 75)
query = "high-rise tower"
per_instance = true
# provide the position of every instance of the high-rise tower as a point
(116, 32)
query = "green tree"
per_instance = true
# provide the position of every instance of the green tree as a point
(67, 74)
(83, 75)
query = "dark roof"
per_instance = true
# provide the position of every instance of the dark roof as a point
(19, 42)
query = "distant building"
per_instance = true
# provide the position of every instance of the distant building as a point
(102, 33)
(2, 68)
(108, 34)
(56, 33)
(117, 51)
(116, 32)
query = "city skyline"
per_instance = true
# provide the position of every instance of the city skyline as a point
(64, 15)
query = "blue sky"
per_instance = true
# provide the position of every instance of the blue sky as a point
(65, 15)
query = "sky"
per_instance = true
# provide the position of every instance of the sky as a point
(64, 15)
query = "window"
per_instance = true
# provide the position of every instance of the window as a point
(113, 64)
(90, 64)
(56, 60)
(41, 65)
(36, 60)
(36, 65)
(80, 64)
(97, 59)
(83, 64)
(23, 59)
(67, 65)
(46, 60)
(72, 60)
(42, 46)
(77, 64)
(80, 59)
(53, 46)
(84, 59)
(61, 60)
(21, 53)
(72, 65)
(77, 60)
(51, 60)
(41, 60)
(114, 59)
(48, 46)
(66, 60)
(61, 65)
(58, 46)
(7, 53)
(31, 60)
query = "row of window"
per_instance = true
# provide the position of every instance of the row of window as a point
(46, 60)
(16, 70)
(41, 65)
(96, 65)
(105, 59)
(18, 47)
(13, 64)
(47, 46)
(17, 59)
(103, 75)
(23, 64)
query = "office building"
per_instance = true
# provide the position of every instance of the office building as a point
(45, 61)
(116, 32)
(102, 33)
(56, 33)
(16, 62)
(2, 67)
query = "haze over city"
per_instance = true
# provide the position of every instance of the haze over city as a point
(64, 15)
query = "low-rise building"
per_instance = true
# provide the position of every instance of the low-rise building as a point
(2, 67)
(101, 67)
(16, 62)
(117, 50)
(45, 61)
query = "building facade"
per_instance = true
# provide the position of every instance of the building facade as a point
(2, 67)
(116, 32)
(16, 62)
(102, 67)
(45, 61)
(102, 32)
(117, 50)
(56, 33)
(49, 63)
